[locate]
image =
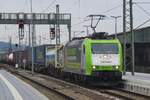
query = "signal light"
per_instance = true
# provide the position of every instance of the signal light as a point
(21, 24)
(52, 33)
(16, 45)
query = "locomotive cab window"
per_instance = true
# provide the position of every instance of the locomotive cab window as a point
(104, 48)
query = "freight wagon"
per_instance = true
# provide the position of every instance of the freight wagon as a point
(44, 57)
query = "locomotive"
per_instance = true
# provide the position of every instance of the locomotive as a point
(88, 59)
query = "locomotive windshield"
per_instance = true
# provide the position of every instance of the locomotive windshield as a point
(104, 48)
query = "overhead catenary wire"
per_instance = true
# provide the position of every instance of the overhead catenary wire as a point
(72, 6)
(44, 10)
(111, 9)
(80, 23)
(24, 6)
(146, 12)
(141, 2)
(142, 24)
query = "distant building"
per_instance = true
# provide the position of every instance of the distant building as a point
(141, 35)
(142, 48)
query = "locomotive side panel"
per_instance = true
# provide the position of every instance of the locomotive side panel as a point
(72, 57)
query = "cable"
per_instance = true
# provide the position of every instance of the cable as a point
(80, 23)
(112, 8)
(102, 12)
(136, 3)
(141, 2)
(142, 24)
(143, 9)
(49, 6)
(75, 3)
(25, 5)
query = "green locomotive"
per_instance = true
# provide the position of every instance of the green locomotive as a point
(93, 59)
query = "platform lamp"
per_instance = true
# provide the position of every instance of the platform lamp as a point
(116, 17)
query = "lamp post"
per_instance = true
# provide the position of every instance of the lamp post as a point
(115, 17)
(87, 29)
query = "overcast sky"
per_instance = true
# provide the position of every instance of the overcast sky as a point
(79, 10)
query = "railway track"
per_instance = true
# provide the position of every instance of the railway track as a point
(67, 90)
(123, 94)
(73, 91)
(36, 84)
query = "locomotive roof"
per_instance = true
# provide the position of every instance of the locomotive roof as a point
(80, 41)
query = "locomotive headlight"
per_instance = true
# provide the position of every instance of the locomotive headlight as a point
(117, 67)
(94, 67)
(104, 56)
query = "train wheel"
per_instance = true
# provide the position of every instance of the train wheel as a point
(76, 77)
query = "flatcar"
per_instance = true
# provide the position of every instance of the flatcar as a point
(88, 59)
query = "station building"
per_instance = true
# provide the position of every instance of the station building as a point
(142, 48)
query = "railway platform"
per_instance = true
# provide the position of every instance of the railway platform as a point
(12, 88)
(139, 83)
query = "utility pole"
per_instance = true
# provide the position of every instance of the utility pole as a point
(87, 29)
(26, 39)
(124, 37)
(69, 29)
(10, 44)
(29, 36)
(40, 40)
(132, 37)
(57, 35)
(116, 17)
(21, 37)
(32, 26)
(129, 55)
(32, 39)
(57, 26)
